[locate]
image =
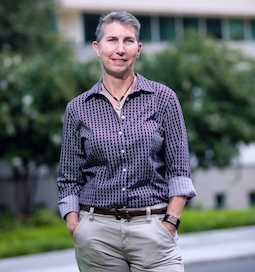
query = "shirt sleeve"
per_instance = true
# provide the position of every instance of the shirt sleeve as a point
(177, 159)
(69, 180)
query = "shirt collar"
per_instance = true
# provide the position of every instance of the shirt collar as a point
(141, 84)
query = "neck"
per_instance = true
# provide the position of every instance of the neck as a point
(117, 85)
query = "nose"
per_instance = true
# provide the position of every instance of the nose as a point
(120, 49)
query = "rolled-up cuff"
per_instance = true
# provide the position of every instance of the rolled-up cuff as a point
(68, 204)
(181, 186)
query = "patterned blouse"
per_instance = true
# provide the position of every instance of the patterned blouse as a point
(136, 159)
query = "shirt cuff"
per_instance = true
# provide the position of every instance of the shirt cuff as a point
(181, 186)
(68, 204)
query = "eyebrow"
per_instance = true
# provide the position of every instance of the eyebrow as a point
(116, 37)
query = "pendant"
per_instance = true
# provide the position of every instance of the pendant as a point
(118, 106)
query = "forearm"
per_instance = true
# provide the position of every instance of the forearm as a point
(176, 205)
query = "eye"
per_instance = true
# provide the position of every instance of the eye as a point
(111, 39)
(130, 40)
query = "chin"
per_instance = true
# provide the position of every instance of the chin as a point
(119, 73)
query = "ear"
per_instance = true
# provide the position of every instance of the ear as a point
(95, 47)
(140, 48)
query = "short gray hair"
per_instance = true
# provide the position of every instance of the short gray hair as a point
(119, 16)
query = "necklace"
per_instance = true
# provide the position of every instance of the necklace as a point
(114, 97)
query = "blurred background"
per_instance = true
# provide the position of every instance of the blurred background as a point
(204, 50)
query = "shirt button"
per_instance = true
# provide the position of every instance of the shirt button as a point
(122, 117)
(124, 169)
(122, 151)
(123, 189)
(120, 132)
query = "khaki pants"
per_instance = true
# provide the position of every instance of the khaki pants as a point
(104, 244)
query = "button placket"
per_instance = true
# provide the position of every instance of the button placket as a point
(122, 151)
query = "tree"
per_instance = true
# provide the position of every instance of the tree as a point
(216, 87)
(38, 76)
(26, 25)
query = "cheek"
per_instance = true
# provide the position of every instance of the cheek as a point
(105, 54)
(132, 56)
(133, 52)
(106, 51)
(104, 57)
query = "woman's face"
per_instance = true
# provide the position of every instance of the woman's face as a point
(118, 49)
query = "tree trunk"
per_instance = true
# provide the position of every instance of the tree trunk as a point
(24, 190)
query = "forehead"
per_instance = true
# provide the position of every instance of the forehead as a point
(118, 29)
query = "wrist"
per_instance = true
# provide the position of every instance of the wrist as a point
(172, 220)
(71, 216)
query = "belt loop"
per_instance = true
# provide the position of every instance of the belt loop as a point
(91, 213)
(148, 214)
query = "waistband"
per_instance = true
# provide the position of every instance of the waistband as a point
(124, 213)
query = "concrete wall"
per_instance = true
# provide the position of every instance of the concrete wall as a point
(181, 7)
(235, 183)
(70, 26)
(46, 193)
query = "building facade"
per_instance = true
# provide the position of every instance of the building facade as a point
(162, 21)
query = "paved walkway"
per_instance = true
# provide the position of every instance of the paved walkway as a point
(197, 247)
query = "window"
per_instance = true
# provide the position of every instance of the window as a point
(236, 29)
(253, 29)
(167, 28)
(252, 198)
(214, 27)
(219, 201)
(145, 34)
(90, 24)
(190, 23)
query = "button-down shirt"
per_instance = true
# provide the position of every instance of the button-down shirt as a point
(137, 159)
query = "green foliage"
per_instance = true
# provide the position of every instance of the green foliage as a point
(26, 25)
(38, 76)
(202, 220)
(216, 87)
(33, 95)
(41, 232)
(29, 240)
(40, 218)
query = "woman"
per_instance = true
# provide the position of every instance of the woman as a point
(124, 173)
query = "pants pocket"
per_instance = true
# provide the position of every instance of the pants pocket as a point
(82, 216)
(164, 231)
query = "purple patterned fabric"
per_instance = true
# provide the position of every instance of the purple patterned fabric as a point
(136, 160)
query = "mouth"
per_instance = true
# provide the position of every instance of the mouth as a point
(119, 60)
